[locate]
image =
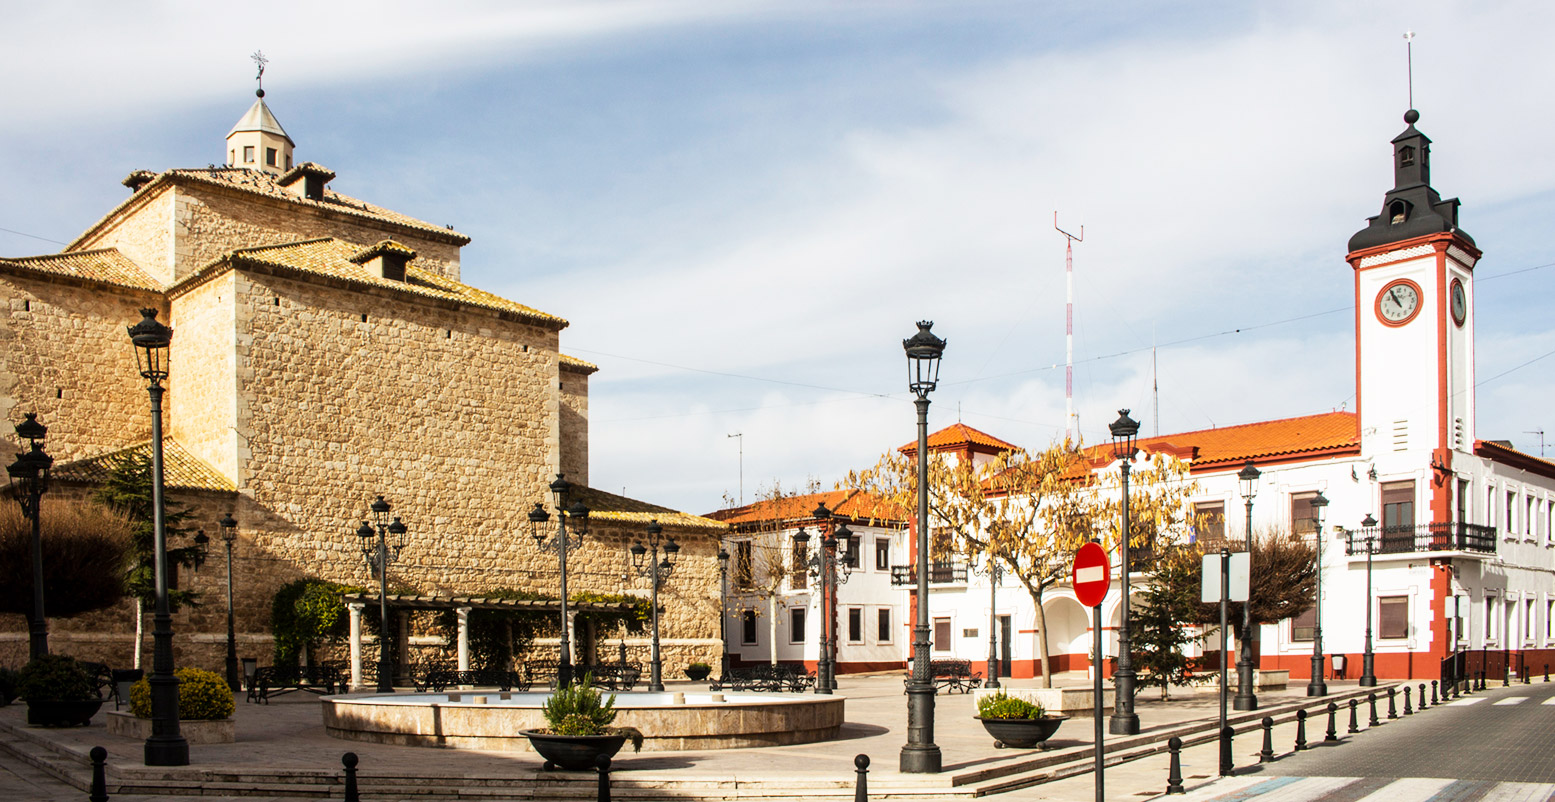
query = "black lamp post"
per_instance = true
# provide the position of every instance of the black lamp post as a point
(723, 611)
(563, 543)
(995, 572)
(1124, 720)
(1317, 687)
(29, 481)
(166, 746)
(1368, 675)
(380, 553)
(1246, 697)
(823, 568)
(920, 754)
(657, 571)
(229, 536)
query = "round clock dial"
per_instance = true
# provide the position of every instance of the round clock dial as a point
(1398, 302)
(1460, 303)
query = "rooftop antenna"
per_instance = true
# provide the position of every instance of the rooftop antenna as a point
(1155, 388)
(1069, 241)
(1540, 433)
(1409, 60)
(741, 435)
(260, 61)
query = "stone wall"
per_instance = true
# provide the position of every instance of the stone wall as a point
(574, 424)
(202, 415)
(143, 231)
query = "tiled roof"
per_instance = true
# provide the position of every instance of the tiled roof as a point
(259, 182)
(853, 505)
(958, 435)
(180, 469)
(576, 365)
(611, 507)
(332, 258)
(1308, 435)
(259, 118)
(107, 266)
(1494, 451)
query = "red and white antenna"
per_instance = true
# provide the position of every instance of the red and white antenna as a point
(1070, 422)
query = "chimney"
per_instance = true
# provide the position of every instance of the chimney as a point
(308, 180)
(386, 260)
(138, 179)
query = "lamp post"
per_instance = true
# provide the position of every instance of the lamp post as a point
(563, 542)
(380, 554)
(1124, 720)
(1317, 687)
(823, 567)
(995, 573)
(723, 611)
(1368, 676)
(166, 746)
(1246, 697)
(229, 536)
(29, 481)
(658, 572)
(920, 754)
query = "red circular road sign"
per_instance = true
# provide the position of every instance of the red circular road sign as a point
(1092, 574)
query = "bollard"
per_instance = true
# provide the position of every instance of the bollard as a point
(1174, 772)
(861, 788)
(1333, 723)
(99, 791)
(1225, 750)
(1392, 711)
(1481, 681)
(1266, 754)
(1506, 676)
(1457, 687)
(1301, 730)
(1371, 700)
(349, 761)
(1546, 672)
(1355, 726)
(602, 763)
(1409, 711)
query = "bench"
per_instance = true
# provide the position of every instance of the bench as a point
(271, 681)
(765, 677)
(608, 676)
(952, 675)
(439, 678)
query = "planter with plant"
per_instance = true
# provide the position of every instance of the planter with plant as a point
(697, 672)
(58, 691)
(1015, 722)
(205, 709)
(578, 728)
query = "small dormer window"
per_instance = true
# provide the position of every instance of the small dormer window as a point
(270, 156)
(1406, 156)
(248, 154)
(1398, 211)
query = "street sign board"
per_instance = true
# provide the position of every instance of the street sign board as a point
(1240, 569)
(1092, 574)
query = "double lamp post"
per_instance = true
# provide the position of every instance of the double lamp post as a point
(380, 552)
(830, 568)
(562, 541)
(657, 571)
(29, 481)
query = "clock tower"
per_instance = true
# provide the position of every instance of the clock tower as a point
(1414, 331)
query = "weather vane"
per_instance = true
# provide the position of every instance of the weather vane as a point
(260, 61)
(1409, 56)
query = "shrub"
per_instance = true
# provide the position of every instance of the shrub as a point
(85, 547)
(303, 613)
(577, 709)
(202, 696)
(8, 688)
(1000, 705)
(699, 667)
(55, 677)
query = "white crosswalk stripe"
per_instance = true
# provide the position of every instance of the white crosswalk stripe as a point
(1519, 792)
(1474, 701)
(1258, 788)
(1511, 700)
(1550, 701)
(1414, 789)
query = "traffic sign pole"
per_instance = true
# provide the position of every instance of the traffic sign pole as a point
(1101, 782)
(1092, 576)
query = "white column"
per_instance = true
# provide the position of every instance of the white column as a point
(464, 637)
(355, 610)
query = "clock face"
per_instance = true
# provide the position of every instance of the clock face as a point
(1398, 302)
(1460, 303)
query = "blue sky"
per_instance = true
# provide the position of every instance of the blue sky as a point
(743, 207)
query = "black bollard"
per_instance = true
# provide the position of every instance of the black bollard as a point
(1174, 772)
(1333, 723)
(1457, 687)
(1355, 725)
(1482, 680)
(99, 791)
(1506, 676)
(1301, 730)
(349, 761)
(1409, 711)
(1392, 711)
(861, 788)
(1266, 754)
(602, 764)
(1225, 750)
(1371, 700)
(1546, 672)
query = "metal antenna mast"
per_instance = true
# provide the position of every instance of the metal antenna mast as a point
(1409, 56)
(1069, 240)
(1540, 433)
(741, 435)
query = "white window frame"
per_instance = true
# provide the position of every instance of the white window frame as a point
(804, 624)
(950, 624)
(862, 624)
(1492, 619)
(889, 633)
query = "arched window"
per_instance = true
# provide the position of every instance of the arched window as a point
(1406, 156)
(1398, 211)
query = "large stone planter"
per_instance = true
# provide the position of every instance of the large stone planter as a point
(1021, 733)
(196, 731)
(573, 752)
(58, 713)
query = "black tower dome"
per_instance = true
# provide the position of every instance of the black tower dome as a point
(1412, 208)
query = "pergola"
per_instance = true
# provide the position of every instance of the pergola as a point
(461, 605)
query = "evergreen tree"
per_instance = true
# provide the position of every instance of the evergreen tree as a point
(1157, 624)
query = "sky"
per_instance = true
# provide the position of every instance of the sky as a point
(743, 207)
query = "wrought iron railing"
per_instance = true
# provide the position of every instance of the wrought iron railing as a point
(1456, 536)
(939, 573)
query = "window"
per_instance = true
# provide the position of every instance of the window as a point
(1511, 507)
(270, 156)
(1393, 617)
(748, 627)
(798, 574)
(1549, 620)
(288, 161)
(882, 554)
(1528, 620)
(1301, 518)
(744, 566)
(1398, 505)
(1209, 523)
(796, 616)
(1463, 501)
(883, 633)
(248, 154)
(941, 635)
(232, 157)
(1303, 627)
(1529, 518)
(1460, 624)
(1492, 627)
(855, 625)
(850, 552)
(1406, 156)
(1490, 506)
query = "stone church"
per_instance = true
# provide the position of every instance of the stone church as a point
(325, 352)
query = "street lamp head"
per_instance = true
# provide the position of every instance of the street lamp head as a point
(398, 530)
(1319, 504)
(1248, 476)
(844, 537)
(380, 510)
(923, 355)
(151, 340)
(821, 513)
(1368, 522)
(559, 489)
(639, 551)
(365, 531)
(1125, 431)
(538, 518)
(31, 429)
(671, 551)
(578, 518)
(202, 542)
(723, 558)
(802, 540)
(229, 528)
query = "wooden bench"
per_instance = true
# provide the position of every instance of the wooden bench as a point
(765, 677)
(952, 675)
(271, 681)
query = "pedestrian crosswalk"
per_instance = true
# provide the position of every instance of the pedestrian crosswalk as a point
(1360, 789)
(1472, 700)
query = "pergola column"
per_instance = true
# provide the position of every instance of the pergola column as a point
(464, 637)
(355, 611)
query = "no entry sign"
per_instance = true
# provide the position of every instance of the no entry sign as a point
(1092, 574)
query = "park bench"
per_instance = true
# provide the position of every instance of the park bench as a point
(952, 675)
(271, 681)
(765, 677)
(609, 676)
(440, 678)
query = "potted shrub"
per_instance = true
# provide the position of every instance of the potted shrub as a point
(1016, 722)
(578, 728)
(58, 691)
(697, 672)
(205, 709)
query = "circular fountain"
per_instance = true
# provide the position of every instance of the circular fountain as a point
(668, 721)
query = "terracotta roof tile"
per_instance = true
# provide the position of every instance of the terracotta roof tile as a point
(850, 504)
(576, 365)
(958, 435)
(106, 266)
(611, 507)
(180, 469)
(1310, 435)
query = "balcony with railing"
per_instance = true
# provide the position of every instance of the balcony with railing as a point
(940, 573)
(1420, 538)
